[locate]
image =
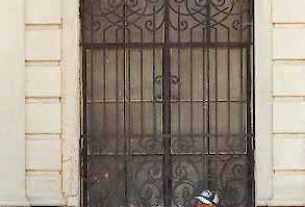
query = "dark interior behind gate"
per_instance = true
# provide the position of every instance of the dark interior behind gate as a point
(167, 102)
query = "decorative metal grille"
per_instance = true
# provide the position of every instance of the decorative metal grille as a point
(167, 102)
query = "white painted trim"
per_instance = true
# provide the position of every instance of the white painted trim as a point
(51, 201)
(286, 202)
(14, 201)
(263, 100)
(71, 100)
(12, 107)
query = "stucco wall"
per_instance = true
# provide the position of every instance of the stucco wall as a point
(280, 106)
(52, 101)
(43, 58)
(41, 81)
(288, 94)
(39, 110)
(12, 108)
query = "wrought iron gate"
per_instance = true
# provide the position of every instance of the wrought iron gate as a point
(167, 102)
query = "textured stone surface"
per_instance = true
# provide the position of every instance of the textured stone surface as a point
(42, 44)
(288, 43)
(43, 82)
(43, 11)
(288, 11)
(288, 153)
(289, 117)
(44, 154)
(43, 118)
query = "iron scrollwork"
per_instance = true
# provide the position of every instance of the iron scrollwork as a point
(144, 21)
(158, 87)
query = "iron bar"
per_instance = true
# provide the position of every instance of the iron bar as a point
(166, 117)
(170, 101)
(168, 45)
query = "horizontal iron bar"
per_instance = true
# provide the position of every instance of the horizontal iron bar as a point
(94, 180)
(168, 45)
(170, 101)
(187, 135)
(172, 154)
(179, 135)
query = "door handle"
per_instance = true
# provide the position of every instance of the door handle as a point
(174, 80)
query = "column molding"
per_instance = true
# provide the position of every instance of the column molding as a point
(71, 100)
(12, 107)
(263, 101)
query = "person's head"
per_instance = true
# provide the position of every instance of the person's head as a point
(207, 198)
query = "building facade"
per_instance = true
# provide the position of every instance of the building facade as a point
(41, 110)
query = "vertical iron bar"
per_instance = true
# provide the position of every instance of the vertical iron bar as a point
(229, 87)
(84, 133)
(129, 116)
(83, 144)
(209, 69)
(116, 94)
(191, 87)
(204, 137)
(89, 136)
(126, 135)
(250, 141)
(167, 126)
(252, 17)
(216, 99)
(208, 21)
(104, 105)
(105, 119)
(179, 77)
(91, 121)
(154, 76)
(141, 87)
(166, 92)
(208, 31)
(241, 53)
(249, 123)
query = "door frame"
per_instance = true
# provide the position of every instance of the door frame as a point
(71, 109)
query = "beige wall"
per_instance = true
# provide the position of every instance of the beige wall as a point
(43, 36)
(39, 109)
(52, 128)
(263, 102)
(288, 95)
(280, 106)
(12, 108)
(47, 79)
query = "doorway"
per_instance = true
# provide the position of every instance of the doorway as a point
(167, 102)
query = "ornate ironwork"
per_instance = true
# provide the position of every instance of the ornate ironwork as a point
(167, 97)
(135, 21)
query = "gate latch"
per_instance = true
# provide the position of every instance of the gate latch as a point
(159, 86)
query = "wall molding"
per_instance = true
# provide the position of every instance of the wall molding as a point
(263, 101)
(71, 100)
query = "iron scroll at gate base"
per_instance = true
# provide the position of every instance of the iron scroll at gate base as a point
(167, 102)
